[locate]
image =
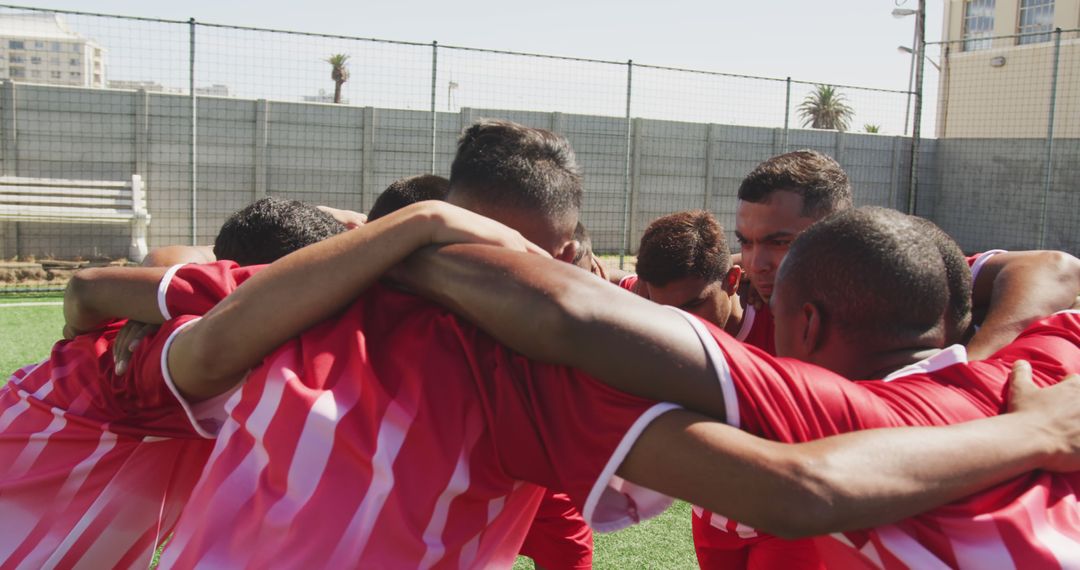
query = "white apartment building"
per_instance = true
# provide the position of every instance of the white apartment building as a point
(38, 47)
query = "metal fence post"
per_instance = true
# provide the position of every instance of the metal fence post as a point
(626, 167)
(1048, 178)
(916, 127)
(787, 111)
(194, 133)
(434, 113)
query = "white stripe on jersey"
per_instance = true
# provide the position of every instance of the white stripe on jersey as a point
(471, 549)
(395, 425)
(907, 549)
(1063, 547)
(978, 544)
(458, 484)
(69, 491)
(35, 444)
(239, 486)
(309, 460)
(871, 553)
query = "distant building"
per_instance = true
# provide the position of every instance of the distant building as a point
(38, 47)
(216, 90)
(323, 97)
(999, 87)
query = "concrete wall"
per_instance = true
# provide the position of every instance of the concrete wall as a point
(344, 156)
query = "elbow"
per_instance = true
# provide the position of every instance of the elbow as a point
(78, 313)
(812, 504)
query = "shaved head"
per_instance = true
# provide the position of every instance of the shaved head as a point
(874, 274)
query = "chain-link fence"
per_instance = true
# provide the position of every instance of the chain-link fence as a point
(1007, 141)
(207, 117)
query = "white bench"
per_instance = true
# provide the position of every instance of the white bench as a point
(78, 201)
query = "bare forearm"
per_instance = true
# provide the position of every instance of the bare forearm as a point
(1026, 286)
(97, 294)
(287, 297)
(844, 482)
(554, 312)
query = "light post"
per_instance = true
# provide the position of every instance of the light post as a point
(905, 49)
(450, 88)
(903, 13)
(916, 128)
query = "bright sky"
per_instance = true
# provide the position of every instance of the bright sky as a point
(839, 41)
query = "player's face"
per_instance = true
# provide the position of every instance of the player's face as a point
(696, 296)
(765, 232)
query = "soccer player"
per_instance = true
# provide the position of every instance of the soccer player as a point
(297, 441)
(529, 179)
(683, 261)
(95, 463)
(406, 191)
(875, 313)
(778, 200)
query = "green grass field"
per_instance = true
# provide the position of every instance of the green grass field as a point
(30, 325)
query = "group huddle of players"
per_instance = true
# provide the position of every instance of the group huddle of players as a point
(442, 385)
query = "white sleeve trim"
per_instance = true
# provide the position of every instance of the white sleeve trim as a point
(720, 364)
(1068, 312)
(747, 323)
(191, 415)
(981, 261)
(163, 288)
(615, 503)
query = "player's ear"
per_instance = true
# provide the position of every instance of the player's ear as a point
(732, 280)
(569, 251)
(812, 326)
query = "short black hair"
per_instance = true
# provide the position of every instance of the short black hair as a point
(817, 177)
(683, 244)
(505, 164)
(873, 272)
(958, 313)
(271, 228)
(406, 191)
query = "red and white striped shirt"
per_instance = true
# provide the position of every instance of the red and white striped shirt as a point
(397, 435)
(1031, 521)
(719, 540)
(94, 467)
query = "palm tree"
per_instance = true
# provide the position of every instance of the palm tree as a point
(826, 108)
(338, 72)
(872, 128)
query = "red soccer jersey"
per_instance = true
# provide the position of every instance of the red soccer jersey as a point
(396, 435)
(1030, 521)
(94, 467)
(629, 282)
(724, 543)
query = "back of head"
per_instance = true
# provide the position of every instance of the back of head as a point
(819, 179)
(958, 313)
(875, 276)
(504, 165)
(271, 228)
(683, 244)
(406, 191)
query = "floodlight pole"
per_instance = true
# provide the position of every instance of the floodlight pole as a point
(916, 129)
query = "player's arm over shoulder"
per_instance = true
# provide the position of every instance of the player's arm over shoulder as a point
(860, 479)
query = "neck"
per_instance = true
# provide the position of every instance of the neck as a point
(735, 317)
(885, 363)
